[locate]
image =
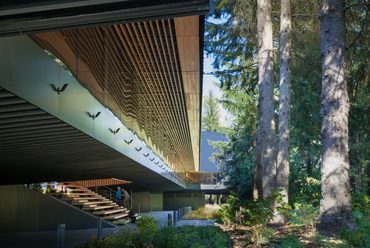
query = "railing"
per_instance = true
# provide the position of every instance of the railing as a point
(110, 195)
(183, 211)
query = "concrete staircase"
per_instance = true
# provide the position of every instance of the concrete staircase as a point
(92, 202)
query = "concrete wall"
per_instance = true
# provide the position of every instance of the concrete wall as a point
(141, 202)
(156, 201)
(23, 209)
(173, 201)
(147, 201)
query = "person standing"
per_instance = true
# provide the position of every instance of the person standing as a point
(118, 195)
(126, 199)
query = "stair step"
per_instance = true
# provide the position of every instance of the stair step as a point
(96, 202)
(87, 202)
(115, 217)
(79, 194)
(110, 211)
(89, 198)
(71, 186)
(97, 207)
(79, 190)
(79, 201)
(87, 207)
(92, 201)
(83, 199)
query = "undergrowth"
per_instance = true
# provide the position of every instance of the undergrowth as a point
(148, 236)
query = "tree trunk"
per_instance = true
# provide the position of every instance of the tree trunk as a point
(335, 205)
(282, 171)
(257, 176)
(265, 106)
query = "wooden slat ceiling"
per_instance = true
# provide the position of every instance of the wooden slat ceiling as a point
(147, 73)
(99, 182)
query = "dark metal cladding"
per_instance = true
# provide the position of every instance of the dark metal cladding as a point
(21, 16)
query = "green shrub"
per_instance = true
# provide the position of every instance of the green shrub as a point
(169, 237)
(255, 214)
(147, 226)
(124, 239)
(361, 203)
(360, 237)
(330, 242)
(228, 210)
(250, 213)
(290, 242)
(304, 215)
(190, 237)
(258, 212)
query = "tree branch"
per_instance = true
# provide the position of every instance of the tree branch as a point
(360, 33)
(356, 5)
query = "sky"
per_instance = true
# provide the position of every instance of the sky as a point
(210, 84)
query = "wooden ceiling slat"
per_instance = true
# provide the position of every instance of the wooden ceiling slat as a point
(130, 70)
(153, 74)
(169, 97)
(172, 83)
(174, 72)
(163, 70)
(154, 71)
(136, 65)
(143, 69)
(127, 49)
(133, 90)
(144, 84)
(114, 77)
(94, 57)
(178, 76)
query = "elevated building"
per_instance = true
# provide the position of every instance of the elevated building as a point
(101, 91)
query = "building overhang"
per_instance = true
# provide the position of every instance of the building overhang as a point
(24, 17)
(142, 64)
(147, 73)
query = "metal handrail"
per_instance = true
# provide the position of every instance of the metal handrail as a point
(110, 195)
(110, 191)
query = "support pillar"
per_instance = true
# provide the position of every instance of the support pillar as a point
(61, 231)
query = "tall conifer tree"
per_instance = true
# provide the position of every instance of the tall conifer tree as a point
(335, 205)
(266, 122)
(282, 171)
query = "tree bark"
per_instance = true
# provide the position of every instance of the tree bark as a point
(265, 106)
(257, 176)
(282, 171)
(335, 205)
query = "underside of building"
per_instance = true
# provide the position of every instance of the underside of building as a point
(105, 91)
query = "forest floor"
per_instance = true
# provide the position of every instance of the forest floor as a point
(283, 236)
